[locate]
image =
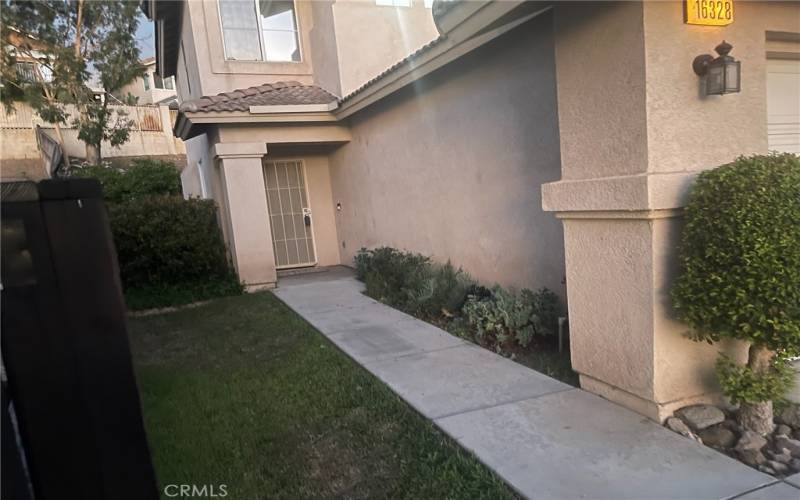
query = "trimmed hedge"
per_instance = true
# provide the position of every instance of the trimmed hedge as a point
(740, 253)
(740, 276)
(144, 177)
(170, 250)
(165, 240)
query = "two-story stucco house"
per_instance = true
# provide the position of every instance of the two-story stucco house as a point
(532, 143)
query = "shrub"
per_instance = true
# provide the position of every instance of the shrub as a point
(740, 270)
(496, 318)
(442, 293)
(392, 276)
(411, 282)
(170, 250)
(145, 177)
(506, 316)
(164, 240)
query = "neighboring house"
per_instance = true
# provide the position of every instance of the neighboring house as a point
(150, 88)
(527, 142)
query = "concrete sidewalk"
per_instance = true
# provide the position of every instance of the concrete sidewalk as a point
(547, 439)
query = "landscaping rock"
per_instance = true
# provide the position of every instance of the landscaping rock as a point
(748, 448)
(718, 436)
(778, 467)
(795, 464)
(793, 445)
(732, 425)
(783, 457)
(783, 430)
(790, 416)
(699, 417)
(677, 425)
(766, 470)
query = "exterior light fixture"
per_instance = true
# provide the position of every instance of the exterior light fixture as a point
(722, 74)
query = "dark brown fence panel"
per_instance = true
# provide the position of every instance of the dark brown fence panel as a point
(65, 346)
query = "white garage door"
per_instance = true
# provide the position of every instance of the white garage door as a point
(783, 105)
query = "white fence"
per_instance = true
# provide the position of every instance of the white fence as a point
(151, 133)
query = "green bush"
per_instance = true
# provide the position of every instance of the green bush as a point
(411, 282)
(170, 250)
(144, 177)
(740, 266)
(414, 284)
(506, 316)
(164, 240)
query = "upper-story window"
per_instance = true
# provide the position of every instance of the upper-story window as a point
(260, 30)
(146, 80)
(393, 3)
(164, 83)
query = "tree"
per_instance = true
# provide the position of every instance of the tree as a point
(67, 44)
(740, 275)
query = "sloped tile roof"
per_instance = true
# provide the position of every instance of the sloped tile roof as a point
(399, 64)
(270, 94)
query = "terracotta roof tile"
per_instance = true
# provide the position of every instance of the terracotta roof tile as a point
(278, 93)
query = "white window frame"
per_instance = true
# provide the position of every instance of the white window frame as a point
(261, 36)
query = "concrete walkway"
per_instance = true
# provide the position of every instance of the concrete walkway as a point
(547, 439)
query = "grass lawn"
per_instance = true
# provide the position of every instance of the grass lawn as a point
(242, 392)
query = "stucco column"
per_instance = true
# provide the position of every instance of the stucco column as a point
(244, 212)
(634, 130)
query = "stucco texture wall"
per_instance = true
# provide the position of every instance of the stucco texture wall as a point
(452, 167)
(686, 130)
(370, 37)
(601, 94)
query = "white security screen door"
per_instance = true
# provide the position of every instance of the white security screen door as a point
(289, 213)
(783, 105)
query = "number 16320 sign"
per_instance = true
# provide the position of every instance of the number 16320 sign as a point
(709, 12)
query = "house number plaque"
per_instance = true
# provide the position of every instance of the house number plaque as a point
(708, 12)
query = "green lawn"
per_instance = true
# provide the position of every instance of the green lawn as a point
(242, 392)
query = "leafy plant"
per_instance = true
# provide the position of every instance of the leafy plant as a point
(170, 250)
(507, 316)
(744, 385)
(144, 177)
(740, 269)
(166, 240)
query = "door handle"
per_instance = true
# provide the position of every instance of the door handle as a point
(307, 216)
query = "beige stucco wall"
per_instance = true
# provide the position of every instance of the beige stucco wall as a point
(20, 144)
(344, 43)
(630, 143)
(210, 73)
(708, 131)
(370, 38)
(452, 166)
(601, 78)
(151, 95)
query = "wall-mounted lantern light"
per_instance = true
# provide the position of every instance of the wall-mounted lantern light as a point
(722, 74)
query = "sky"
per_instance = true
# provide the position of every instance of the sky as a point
(145, 38)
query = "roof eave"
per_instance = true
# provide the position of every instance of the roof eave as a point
(192, 124)
(471, 26)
